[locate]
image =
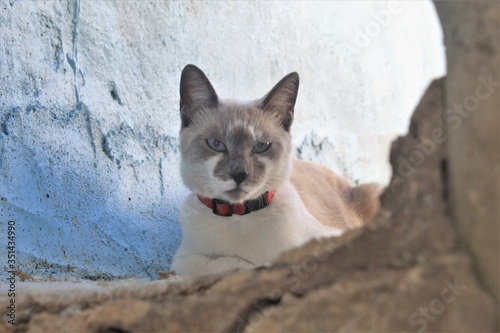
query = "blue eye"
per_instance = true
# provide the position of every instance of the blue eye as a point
(216, 145)
(261, 147)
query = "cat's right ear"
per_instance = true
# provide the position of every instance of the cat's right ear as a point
(281, 99)
(196, 92)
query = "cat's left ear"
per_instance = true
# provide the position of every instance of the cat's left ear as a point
(281, 99)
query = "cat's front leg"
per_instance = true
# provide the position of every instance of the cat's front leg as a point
(196, 264)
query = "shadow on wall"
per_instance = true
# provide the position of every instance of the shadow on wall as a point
(107, 200)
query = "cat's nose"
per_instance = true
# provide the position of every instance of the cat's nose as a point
(238, 177)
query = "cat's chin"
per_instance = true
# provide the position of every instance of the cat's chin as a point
(239, 195)
(236, 195)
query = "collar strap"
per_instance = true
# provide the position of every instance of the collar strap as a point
(224, 208)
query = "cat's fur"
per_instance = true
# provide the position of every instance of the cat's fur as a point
(311, 201)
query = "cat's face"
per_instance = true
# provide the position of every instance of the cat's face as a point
(231, 150)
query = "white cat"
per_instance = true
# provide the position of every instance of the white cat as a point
(250, 201)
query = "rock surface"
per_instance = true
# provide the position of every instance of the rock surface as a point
(402, 272)
(472, 37)
(89, 109)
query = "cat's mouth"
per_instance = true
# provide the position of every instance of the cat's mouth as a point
(237, 194)
(236, 191)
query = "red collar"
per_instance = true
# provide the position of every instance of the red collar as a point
(224, 208)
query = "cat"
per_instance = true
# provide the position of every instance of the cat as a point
(249, 199)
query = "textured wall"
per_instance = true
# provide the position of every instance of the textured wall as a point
(89, 97)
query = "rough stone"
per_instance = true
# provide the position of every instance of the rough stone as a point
(472, 42)
(385, 299)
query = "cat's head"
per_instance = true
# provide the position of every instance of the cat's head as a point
(231, 150)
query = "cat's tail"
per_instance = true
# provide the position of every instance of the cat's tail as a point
(364, 199)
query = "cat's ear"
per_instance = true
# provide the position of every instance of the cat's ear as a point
(281, 99)
(196, 92)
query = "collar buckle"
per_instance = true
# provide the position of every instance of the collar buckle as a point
(222, 202)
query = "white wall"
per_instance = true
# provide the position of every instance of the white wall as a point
(89, 109)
